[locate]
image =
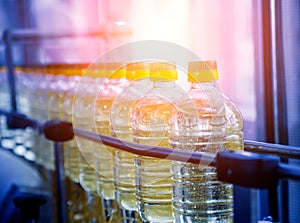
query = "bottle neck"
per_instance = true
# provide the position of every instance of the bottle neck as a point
(163, 84)
(139, 82)
(205, 85)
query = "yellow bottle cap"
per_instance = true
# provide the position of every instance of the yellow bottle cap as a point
(202, 71)
(115, 70)
(137, 70)
(18, 70)
(70, 69)
(94, 71)
(163, 71)
(47, 69)
(63, 69)
(52, 69)
(80, 69)
(25, 69)
(99, 70)
(39, 70)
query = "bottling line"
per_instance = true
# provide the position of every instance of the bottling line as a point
(139, 111)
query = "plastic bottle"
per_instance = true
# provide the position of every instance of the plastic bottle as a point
(71, 149)
(43, 83)
(59, 88)
(30, 84)
(205, 121)
(4, 90)
(84, 98)
(23, 85)
(150, 120)
(138, 75)
(21, 136)
(19, 139)
(81, 203)
(104, 155)
(83, 102)
(6, 135)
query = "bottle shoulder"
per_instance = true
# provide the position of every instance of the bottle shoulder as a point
(209, 105)
(133, 92)
(167, 90)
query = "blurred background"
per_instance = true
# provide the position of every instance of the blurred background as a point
(256, 44)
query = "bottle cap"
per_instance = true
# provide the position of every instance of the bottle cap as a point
(99, 71)
(137, 70)
(39, 70)
(202, 71)
(68, 70)
(54, 69)
(96, 71)
(65, 69)
(2, 68)
(61, 69)
(18, 70)
(114, 70)
(81, 69)
(163, 71)
(48, 69)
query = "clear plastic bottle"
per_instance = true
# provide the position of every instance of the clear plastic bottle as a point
(23, 82)
(31, 83)
(82, 114)
(61, 84)
(66, 77)
(82, 110)
(150, 121)
(205, 121)
(104, 155)
(75, 194)
(14, 139)
(44, 79)
(6, 135)
(71, 149)
(81, 203)
(138, 75)
(4, 90)
(21, 136)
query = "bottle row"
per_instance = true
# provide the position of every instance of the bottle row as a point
(140, 102)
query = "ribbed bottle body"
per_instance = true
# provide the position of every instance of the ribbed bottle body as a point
(202, 123)
(125, 174)
(82, 118)
(105, 155)
(150, 125)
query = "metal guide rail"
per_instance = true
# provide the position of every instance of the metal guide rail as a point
(258, 166)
